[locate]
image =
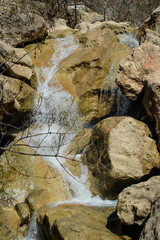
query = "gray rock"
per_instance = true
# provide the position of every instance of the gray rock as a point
(152, 227)
(19, 25)
(134, 202)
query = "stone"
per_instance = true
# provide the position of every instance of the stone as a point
(151, 229)
(9, 223)
(17, 99)
(135, 202)
(60, 31)
(79, 142)
(137, 68)
(16, 63)
(19, 25)
(117, 28)
(87, 71)
(22, 173)
(23, 212)
(37, 199)
(73, 221)
(151, 23)
(121, 151)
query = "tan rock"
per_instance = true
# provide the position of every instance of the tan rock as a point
(38, 198)
(16, 63)
(118, 28)
(60, 31)
(79, 142)
(74, 222)
(22, 173)
(23, 212)
(134, 202)
(9, 222)
(85, 71)
(142, 65)
(120, 153)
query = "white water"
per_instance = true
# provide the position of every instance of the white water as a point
(130, 40)
(59, 115)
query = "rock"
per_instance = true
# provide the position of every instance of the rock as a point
(151, 25)
(22, 173)
(9, 222)
(87, 15)
(79, 142)
(60, 31)
(17, 99)
(142, 65)
(151, 99)
(95, 104)
(20, 26)
(72, 221)
(120, 153)
(16, 63)
(38, 198)
(86, 70)
(117, 28)
(134, 202)
(152, 226)
(23, 212)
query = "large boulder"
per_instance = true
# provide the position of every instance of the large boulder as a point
(152, 226)
(22, 173)
(18, 25)
(135, 202)
(87, 70)
(139, 73)
(120, 153)
(74, 221)
(143, 65)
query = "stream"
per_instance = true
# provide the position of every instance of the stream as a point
(57, 120)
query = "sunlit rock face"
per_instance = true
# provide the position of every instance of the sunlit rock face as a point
(74, 221)
(139, 73)
(135, 203)
(136, 69)
(121, 151)
(88, 71)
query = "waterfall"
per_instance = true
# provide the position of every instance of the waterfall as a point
(57, 116)
(130, 40)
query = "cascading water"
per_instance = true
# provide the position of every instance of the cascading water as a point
(58, 120)
(120, 104)
(130, 40)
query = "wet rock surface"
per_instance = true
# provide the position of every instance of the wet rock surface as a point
(18, 178)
